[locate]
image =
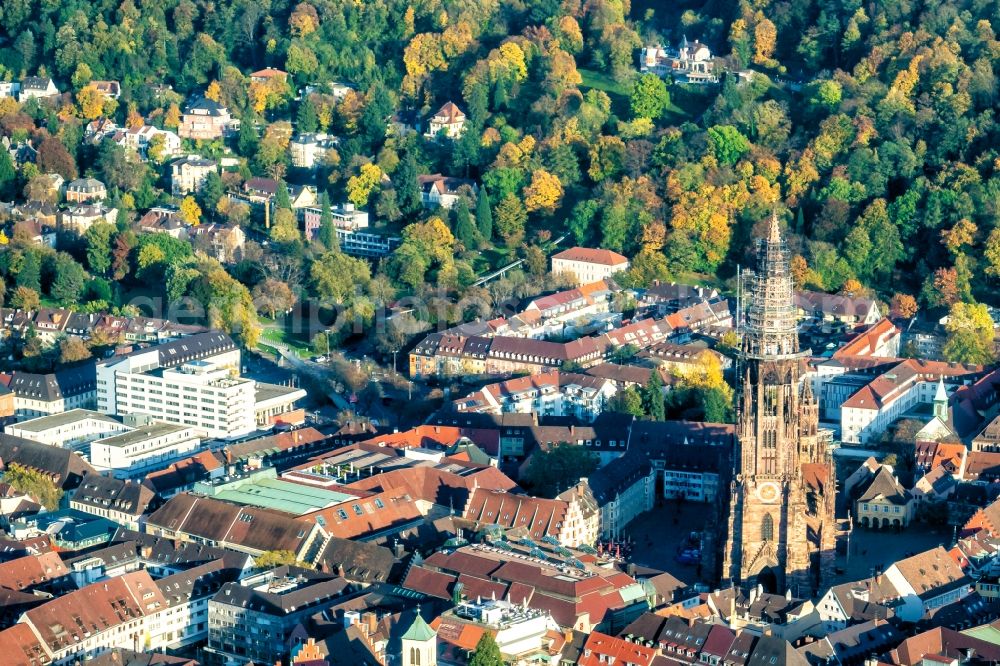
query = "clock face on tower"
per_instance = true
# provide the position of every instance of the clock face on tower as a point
(767, 492)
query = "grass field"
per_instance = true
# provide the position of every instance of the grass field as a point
(277, 335)
(620, 92)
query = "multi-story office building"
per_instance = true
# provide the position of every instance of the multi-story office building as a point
(193, 381)
(252, 620)
(70, 430)
(131, 455)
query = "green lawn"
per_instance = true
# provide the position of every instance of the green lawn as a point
(620, 92)
(277, 335)
(602, 81)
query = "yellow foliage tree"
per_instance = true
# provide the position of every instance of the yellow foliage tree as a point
(91, 101)
(191, 211)
(544, 193)
(134, 119)
(361, 186)
(214, 92)
(173, 117)
(304, 20)
(765, 37)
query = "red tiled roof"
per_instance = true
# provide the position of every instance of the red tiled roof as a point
(600, 647)
(96, 608)
(20, 647)
(31, 570)
(540, 517)
(591, 255)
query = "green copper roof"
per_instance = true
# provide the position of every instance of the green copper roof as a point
(419, 631)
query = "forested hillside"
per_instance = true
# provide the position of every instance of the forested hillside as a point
(869, 127)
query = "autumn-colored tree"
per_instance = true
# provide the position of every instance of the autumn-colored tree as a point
(992, 253)
(361, 186)
(544, 193)
(959, 237)
(91, 102)
(214, 92)
(800, 271)
(970, 334)
(190, 211)
(509, 219)
(172, 119)
(852, 287)
(902, 306)
(272, 296)
(25, 298)
(304, 20)
(53, 156)
(284, 228)
(765, 37)
(73, 349)
(941, 288)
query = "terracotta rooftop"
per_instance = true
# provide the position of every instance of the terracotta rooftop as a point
(592, 256)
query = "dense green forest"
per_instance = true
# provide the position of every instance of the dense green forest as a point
(869, 127)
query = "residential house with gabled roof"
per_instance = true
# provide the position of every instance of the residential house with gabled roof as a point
(578, 596)
(444, 191)
(110, 89)
(83, 190)
(622, 491)
(188, 174)
(55, 392)
(37, 87)
(118, 612)
(161, 220)
(81, 217)
(274, 603)
(855, 602)
(122, 501)
(553, 393)
(266, 74)
(449, 121)
(187, 594)
(63, 466)
(162, 556)
(942, 646)
(224, 242)
(926, 581)
(588, 265)
(883, 502)
(572, 519)
(206, 119)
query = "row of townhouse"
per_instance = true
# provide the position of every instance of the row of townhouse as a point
(447, 354)
(554, 393)
(49, 324)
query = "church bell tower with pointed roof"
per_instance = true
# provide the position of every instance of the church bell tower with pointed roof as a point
(782, 526)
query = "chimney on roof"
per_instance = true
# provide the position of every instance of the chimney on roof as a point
(369, 620)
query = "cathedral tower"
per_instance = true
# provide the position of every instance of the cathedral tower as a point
(782, 527)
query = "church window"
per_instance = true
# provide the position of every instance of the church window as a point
(767, 528)
(414, 656)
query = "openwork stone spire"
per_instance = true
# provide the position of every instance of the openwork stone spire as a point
(771, 320)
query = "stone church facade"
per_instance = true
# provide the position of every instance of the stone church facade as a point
(782, 529)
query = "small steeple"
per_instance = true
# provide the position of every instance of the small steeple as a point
(941, 400)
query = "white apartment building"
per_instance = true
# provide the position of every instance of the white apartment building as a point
(553, 393)
(203, 394)
(588, 265)
(193, 381)
(886, 398)
(131, 455)
(69, 430)
(520, 633)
